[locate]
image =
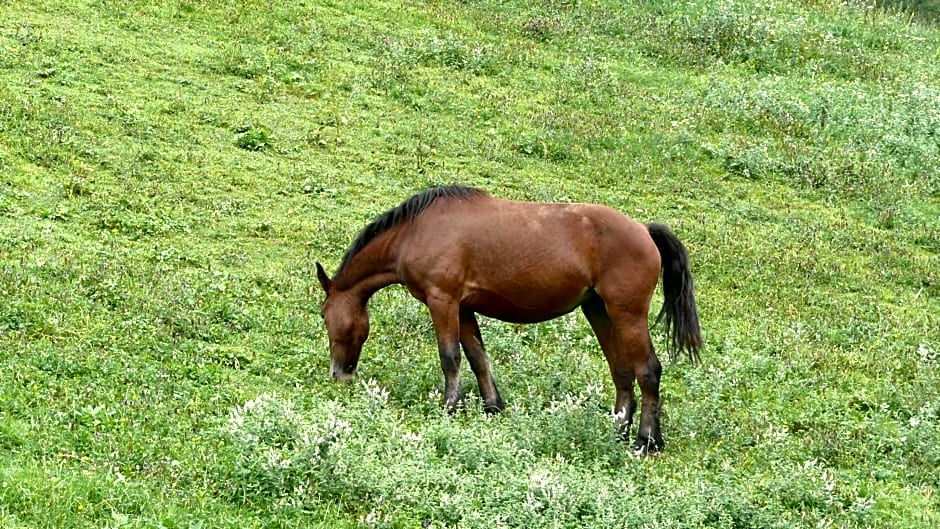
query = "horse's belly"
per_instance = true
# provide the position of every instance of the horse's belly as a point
(528, 307)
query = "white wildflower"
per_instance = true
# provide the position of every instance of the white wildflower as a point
(377, 394)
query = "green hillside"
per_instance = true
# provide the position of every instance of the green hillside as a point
(170, 170)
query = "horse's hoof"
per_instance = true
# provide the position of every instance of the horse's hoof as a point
(644, 446)
(623, 433)
(455, 405)
(494, 407)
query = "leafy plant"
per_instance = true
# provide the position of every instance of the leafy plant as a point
(253, 139)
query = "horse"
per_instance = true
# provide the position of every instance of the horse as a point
(463, 252)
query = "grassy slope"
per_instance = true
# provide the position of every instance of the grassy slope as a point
(169, 172)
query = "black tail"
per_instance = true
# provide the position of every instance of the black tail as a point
(678, 314)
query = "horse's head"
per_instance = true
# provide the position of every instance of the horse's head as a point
(347, 325)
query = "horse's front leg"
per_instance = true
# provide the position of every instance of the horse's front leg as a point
(445, 316)
(472, 343)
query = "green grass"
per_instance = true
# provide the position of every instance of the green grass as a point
(170, 171)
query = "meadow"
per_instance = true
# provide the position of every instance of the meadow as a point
(170, 171)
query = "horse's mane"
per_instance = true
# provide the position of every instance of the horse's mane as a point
(406, 211)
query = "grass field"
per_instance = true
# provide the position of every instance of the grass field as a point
(170, 170)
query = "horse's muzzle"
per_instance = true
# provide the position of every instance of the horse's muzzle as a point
(341, 375)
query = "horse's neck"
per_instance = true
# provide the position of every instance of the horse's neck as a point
(367, 285)
(373, 268)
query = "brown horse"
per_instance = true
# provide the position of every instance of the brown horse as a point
(462, 252)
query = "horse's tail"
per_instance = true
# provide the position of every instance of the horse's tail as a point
(678, 314)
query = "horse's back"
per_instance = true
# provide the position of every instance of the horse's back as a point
(496, 231)
(523, 261)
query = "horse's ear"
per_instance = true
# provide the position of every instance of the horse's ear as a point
(324, 279)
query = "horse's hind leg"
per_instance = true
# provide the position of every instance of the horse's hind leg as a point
(621, 371)
(479, 362)
(649, 438)
(637, 352)
(625, 338)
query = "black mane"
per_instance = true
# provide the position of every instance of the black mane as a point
(406, 211)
